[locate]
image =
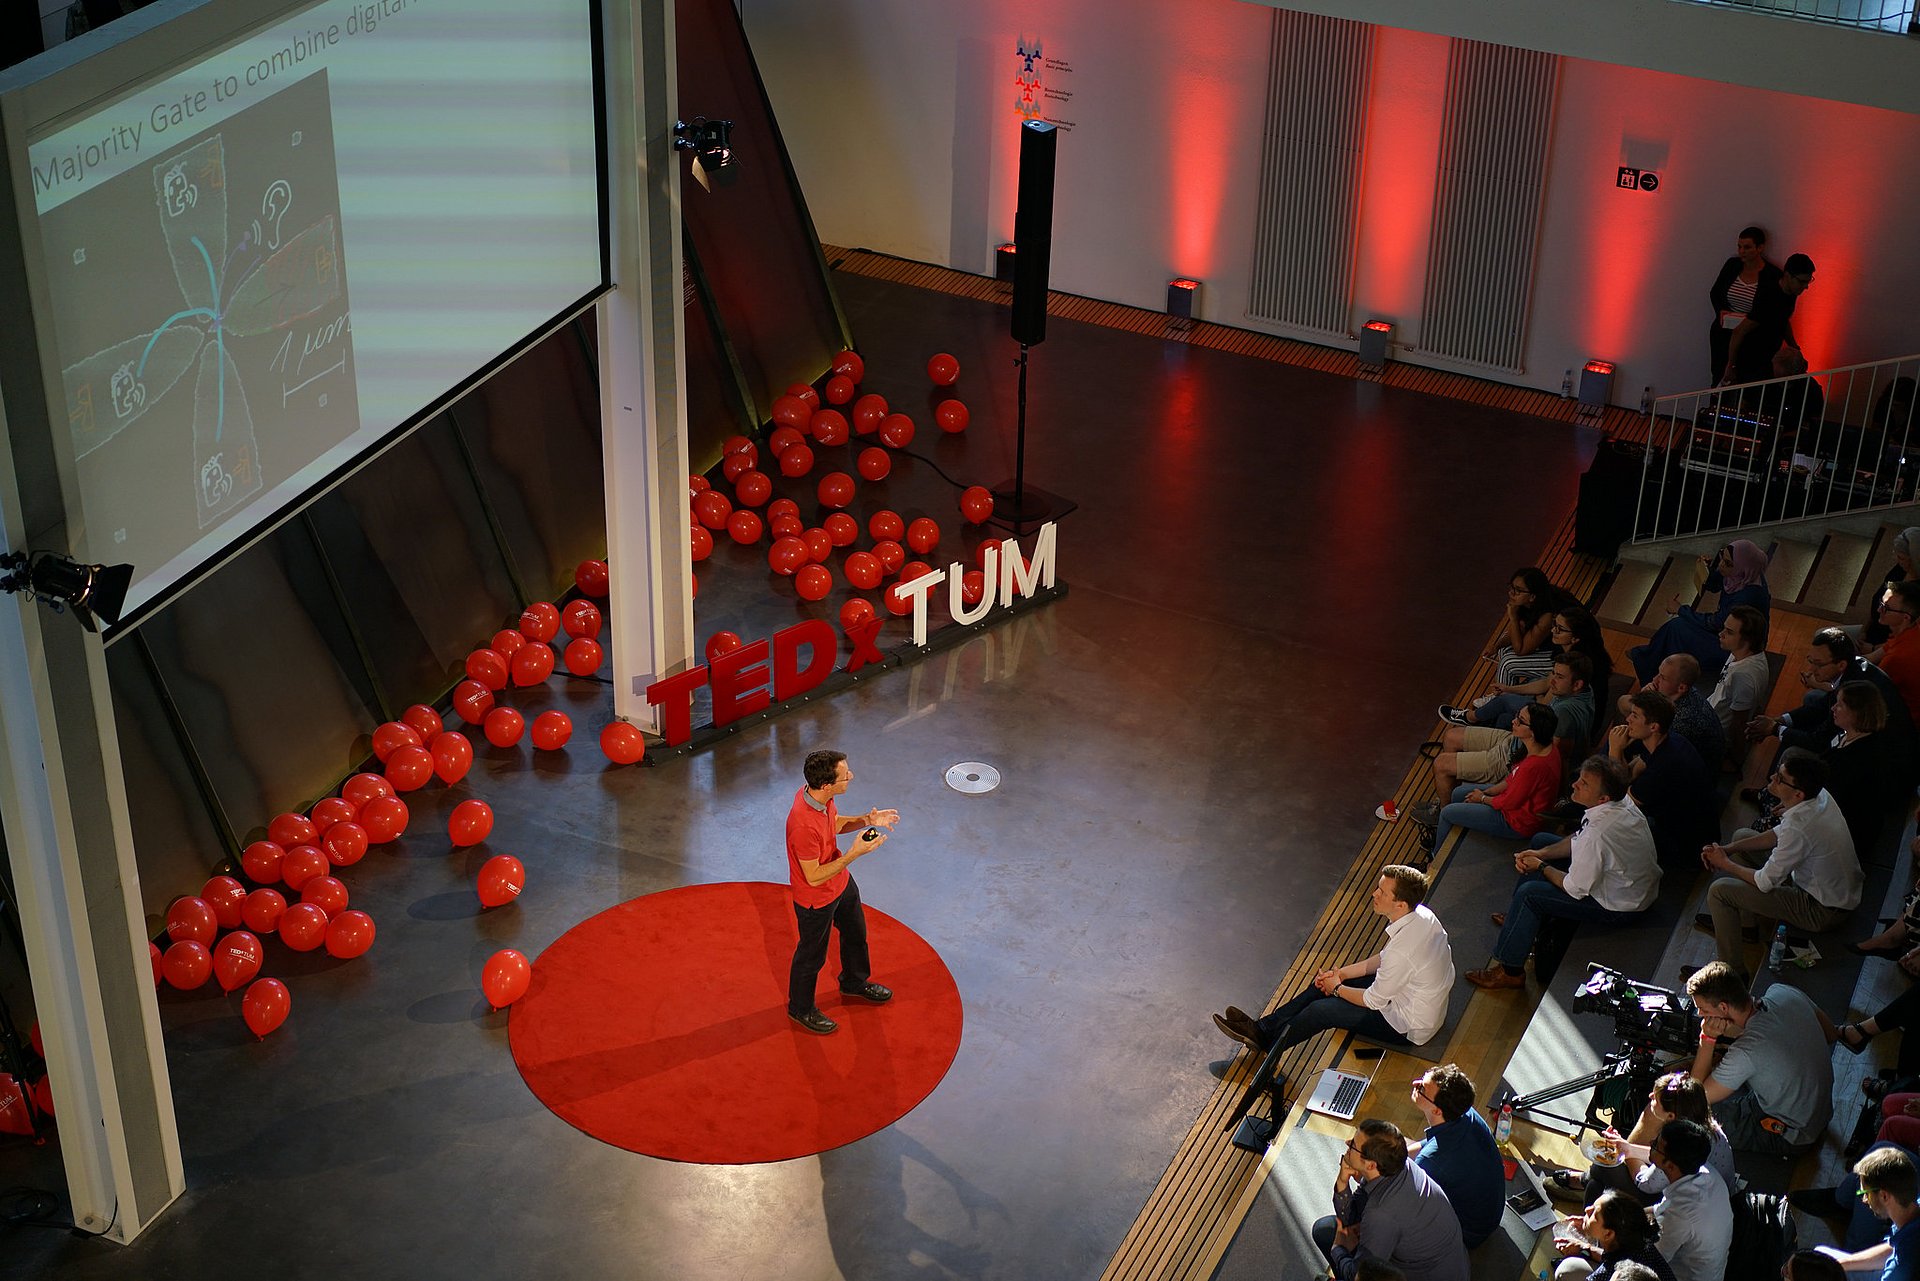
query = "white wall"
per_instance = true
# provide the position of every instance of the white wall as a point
(900, 117)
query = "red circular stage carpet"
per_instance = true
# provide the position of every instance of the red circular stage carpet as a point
(660, 1026)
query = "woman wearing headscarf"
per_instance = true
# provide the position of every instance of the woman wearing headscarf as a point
(1873, 635)
(1739, 575)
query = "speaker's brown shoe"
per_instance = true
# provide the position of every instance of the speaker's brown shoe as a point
(1495, 979)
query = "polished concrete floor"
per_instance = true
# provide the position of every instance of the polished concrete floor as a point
(1274, 576)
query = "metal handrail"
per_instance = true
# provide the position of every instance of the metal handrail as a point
(1887, 15)
(1824, 443)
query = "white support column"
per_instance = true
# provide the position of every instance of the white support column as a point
(70, 843)
(642, 363)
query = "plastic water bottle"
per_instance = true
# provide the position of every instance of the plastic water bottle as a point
(1503, 1128)
(1777, 954)
(1566, 385)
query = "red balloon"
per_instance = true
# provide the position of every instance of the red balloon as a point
(843, 529)
(291, 829)
(737, 465)
(470, 823)
(855, 612)
(507, 642)
(487, 667)
(943, 370)
(796, 461)
(409, 768)
(923, 535)
(791, 411)
(329, 810)
(693, 587)
(952, 416)
(262, 910)
(592, 578)
(783, 507)
(813, 582)
(623, 744)
(387, 740)
(819, 544)
(897, 601)
(533, 664)
(914, 569)
(836, 489)
(302, 864)
(583, 656)
(830, 426)
(424, 720)
(753, 488)
(839, 390)
(890, 555)
(225, 896)
(805, 393)
(700, 543)
(452, 756)
(237, 960)
(744, 527)
(695, 483)
(720, 644)
(187, 964)
(885, 524)
(896, 430)
(581, 618)
(874, 463)
(976, 503)
(500, 881)
(849, 365)
(867, 413)
(349, 934)
(328, 893)
(783, 439)
(551, 730)
(192, 917)
(785, 526)
(303, 927)
(980, 552)
(711, 508)
(503, 726)
(786, 555)
(345, 845)
(864, 570)
(735, 445)
(153, 955)
(33, 1039)
(265, 1006)
(540, 620)
(261, 862)
(385, 818)
(506, 977)
(473, 701)
(973, 586)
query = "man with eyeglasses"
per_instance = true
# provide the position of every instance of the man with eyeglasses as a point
(1396, 1212)
(1458, 1151)
(1769, 325)
(1695, 1213)
(1803, 871)
(1889, 1186)
(1832, 659)
(1901, 657)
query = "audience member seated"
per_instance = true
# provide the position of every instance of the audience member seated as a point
(1811, 1265)
(1695, 1212)
(1802, 871)
(1485, 754)
(1671, 784)
(1863, 772)
(1574, 631)
(1742, 690)
(1738, 576)
(1873, 632)
(1900, 658)
(1772, 1090)
(1678, 677)
(1513, 808)
(1458, 1151)
(1616, 1231)
(1676, 1097)
(1524, 652)
(1397, 1213)
(1889, 1186)
(1613, 875)
(1831, 661)
(1397, 996)
(1903, 933)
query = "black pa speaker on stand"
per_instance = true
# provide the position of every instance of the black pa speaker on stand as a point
(1015, 503)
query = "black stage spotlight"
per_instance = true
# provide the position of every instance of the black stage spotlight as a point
(95, 593)
(711, 143)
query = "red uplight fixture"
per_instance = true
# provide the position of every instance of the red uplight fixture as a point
(1596, 387)
(1180, 296)
(1376, 344)
(1003, 263)
(1599, 367)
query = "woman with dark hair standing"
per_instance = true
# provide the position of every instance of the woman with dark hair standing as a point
(1733, 293)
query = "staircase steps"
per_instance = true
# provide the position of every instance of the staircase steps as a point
(1790, 568)
(1627, 598)
(1835, 578)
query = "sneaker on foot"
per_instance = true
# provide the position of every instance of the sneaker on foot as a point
(1454, 715)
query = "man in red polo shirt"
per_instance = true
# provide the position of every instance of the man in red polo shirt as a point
(824, 894)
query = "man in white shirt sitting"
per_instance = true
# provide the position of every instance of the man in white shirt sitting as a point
(1695, 1213)
(1614, 873)
(1803, 872)
(1742, 690)
(1397, 996)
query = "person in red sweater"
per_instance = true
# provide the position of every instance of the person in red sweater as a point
(1512, 808)
(1901, 658)
(825, 897)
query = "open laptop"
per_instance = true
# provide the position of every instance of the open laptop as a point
(1338, 1094)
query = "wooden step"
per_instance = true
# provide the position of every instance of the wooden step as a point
(1830, 589)
(1676, 579)
(1628, 596)
(1872, 574)
(1790, 568)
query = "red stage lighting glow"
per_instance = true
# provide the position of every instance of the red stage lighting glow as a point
(1599, 366)
(1380, 326)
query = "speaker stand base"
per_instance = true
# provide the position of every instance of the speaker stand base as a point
(1035, 507)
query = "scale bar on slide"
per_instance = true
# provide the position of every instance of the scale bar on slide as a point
(335, 367)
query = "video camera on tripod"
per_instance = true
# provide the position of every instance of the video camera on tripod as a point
(1645, 1018)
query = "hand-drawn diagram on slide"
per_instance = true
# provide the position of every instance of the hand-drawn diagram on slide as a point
(210, 288)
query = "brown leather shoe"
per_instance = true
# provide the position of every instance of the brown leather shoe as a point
(1496, 979)
(1243, 1030)
(1499, 919)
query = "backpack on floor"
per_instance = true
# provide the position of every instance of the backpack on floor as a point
(1763, 1236)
